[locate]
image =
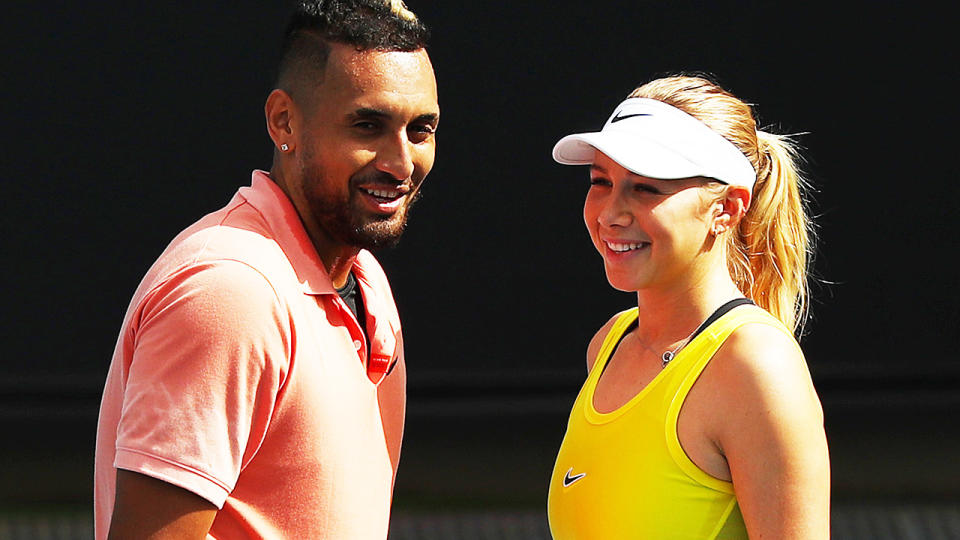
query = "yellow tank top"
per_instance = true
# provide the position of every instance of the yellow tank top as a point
(623, 474)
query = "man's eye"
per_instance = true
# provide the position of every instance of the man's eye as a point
(421, 133)
(365, 126)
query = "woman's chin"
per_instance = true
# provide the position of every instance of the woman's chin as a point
(623, 283)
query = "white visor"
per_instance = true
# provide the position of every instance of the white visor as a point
(656, 140)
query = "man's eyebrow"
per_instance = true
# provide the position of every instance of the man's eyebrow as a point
(369, 112)
(428, 117)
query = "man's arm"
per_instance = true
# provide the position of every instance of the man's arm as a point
(147, 508)
(209, 358)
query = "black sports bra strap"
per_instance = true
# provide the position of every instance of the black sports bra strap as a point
(720, 312)
(627, 330)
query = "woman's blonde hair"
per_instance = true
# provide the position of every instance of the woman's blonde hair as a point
(769, 254)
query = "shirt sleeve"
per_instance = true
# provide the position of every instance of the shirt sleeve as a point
(211, 349)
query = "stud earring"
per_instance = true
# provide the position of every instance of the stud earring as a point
(284, 147)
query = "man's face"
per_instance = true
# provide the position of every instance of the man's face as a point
(367, 143)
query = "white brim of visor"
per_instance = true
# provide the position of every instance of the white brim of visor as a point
(656, 140)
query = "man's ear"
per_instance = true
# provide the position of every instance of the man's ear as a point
(730, 209)
(279, 111)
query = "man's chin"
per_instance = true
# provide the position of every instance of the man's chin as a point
(373, 238)
(372, 233)
(362, 229)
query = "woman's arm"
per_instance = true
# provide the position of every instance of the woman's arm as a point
(769, 426)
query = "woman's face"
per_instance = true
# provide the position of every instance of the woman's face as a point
(650, 232)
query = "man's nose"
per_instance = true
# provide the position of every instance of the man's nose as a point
(395, 157)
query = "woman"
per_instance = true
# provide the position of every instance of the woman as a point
(698, 418)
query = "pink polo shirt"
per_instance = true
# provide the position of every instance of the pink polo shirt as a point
(240, 375)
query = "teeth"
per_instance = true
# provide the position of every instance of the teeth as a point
(386, 194)
(625, 247)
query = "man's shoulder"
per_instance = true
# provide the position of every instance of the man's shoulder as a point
(233, 234)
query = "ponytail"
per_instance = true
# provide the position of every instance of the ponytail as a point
(768, 255)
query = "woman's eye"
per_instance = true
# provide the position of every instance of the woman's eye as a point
(644, 188)
(599, 182)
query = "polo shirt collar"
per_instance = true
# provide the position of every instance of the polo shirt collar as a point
(288, 231)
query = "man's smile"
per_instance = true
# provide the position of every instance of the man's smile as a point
(385, 199)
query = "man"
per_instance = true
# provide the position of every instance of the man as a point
(257, 389)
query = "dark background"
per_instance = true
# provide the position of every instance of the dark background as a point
(125, 122)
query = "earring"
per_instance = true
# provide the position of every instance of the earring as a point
(284, 147)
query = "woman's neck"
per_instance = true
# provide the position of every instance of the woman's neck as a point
(669, 314)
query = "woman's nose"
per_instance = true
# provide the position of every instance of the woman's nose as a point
(614, 213)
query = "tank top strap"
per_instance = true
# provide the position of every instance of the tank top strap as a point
(704, 346)
(624, 320)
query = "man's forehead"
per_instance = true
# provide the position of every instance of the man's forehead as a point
(392, 82)
(365, 65)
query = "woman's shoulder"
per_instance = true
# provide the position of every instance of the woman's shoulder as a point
(762, 364)
(762, 344)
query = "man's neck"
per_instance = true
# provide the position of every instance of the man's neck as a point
(337, 258)
(338, 265)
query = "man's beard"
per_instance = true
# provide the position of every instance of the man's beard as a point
(347, 222)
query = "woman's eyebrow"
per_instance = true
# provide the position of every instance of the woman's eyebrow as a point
(598, 168)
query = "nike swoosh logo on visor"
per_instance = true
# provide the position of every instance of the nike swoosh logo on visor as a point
(567, 479)
(620, 117)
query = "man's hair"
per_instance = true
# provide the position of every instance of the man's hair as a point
(385, 25)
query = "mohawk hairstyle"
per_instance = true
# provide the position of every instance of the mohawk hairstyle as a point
(385, 25)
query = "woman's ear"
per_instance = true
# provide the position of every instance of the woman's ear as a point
(730, 209)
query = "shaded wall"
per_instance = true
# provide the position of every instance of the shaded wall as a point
(127, 122)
